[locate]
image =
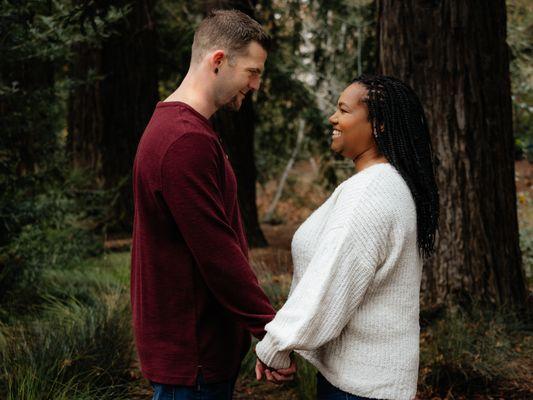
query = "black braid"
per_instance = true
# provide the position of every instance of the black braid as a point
(402, 135)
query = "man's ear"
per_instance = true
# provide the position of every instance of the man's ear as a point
(216, 58)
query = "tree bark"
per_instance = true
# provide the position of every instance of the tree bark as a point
(454, 54)
(107, 117)
(85, 125)
(237, 131)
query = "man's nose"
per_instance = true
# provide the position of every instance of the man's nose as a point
(331, 119)
(255, 83)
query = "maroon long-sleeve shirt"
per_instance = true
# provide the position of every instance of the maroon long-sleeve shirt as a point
(194, 296)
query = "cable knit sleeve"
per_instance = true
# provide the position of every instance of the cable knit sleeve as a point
(351, 248)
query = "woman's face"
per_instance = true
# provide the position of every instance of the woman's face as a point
(352, 131)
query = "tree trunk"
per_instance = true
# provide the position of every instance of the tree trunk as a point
(108, 116)
(237, 130)
(84, 117)
(454, 54)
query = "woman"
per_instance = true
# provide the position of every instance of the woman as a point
(353, 309)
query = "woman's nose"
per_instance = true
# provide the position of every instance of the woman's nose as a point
(332, 120)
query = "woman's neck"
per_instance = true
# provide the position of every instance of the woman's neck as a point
(368, 158)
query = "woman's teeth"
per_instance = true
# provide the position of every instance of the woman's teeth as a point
(336, 133)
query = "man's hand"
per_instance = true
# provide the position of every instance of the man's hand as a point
(275, 376)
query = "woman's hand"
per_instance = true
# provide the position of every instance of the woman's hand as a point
(275, 376)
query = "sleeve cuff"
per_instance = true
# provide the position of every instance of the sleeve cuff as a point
(267, 353)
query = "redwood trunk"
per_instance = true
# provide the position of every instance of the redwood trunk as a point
(107, 116)
(454, 54)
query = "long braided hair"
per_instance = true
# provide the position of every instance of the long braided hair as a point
(402, 136)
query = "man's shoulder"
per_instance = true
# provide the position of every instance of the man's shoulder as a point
(175, 124)
(193, 149)
(179, 119)
(165, 130)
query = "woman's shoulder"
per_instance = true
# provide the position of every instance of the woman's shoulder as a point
(382, 176)
(379, 185)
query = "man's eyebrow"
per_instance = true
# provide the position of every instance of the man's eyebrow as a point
(256, 70)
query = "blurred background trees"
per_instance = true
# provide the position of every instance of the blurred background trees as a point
(114, 89)
(79, 81)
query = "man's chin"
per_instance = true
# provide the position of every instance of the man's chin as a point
(233, 105)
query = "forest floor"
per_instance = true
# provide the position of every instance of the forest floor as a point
(273, 266)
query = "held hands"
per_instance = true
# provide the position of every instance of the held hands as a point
(275, 376)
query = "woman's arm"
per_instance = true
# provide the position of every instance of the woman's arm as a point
(331, 288)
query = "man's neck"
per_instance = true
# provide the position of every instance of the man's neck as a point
(193, 91)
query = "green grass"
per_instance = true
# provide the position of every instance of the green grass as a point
(474, 351)
(76, 342)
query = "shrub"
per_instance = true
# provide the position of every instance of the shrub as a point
(72, 349)
(55, 229)
(470, 351)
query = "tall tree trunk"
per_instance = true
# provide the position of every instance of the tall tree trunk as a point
(454, 54)
(85, 125)
(107, 116)
(237, 130)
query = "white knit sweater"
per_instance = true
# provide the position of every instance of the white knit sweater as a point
(354, 302)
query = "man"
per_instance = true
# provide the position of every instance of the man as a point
(194, 296)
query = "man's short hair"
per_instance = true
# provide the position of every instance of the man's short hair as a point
(229, 30)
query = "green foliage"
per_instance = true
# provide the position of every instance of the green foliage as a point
(306, 379)
(44, 208)
(285, 97)
(54, 229)
(66, 331)
(76, 343)
(177, 20)
(318, 48)
(469, 350)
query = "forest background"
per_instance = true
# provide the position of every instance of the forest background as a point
(78, 83)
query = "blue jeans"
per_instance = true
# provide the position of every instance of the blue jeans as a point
(326, 391)
(202, 390)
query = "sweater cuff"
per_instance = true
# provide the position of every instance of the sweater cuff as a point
(267, 353)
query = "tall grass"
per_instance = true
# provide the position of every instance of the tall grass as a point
(475, 351)
(76, 343)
